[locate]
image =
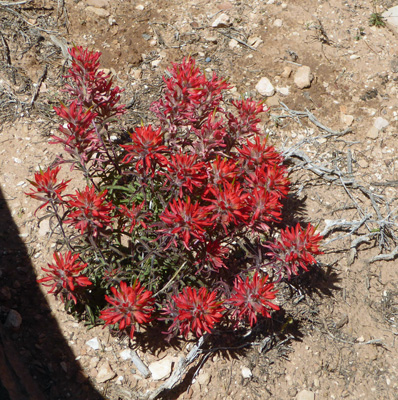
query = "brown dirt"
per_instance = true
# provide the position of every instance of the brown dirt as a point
(341, 344)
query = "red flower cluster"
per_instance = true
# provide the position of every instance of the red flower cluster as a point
(194, 311)
(296, 248)
(46, 187)
(131, 305)
(89, 211)
(65, 275)
(252, 297)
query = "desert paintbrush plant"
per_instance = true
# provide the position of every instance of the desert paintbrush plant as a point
(159, 231)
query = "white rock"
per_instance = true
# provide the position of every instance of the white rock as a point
(233, 44)
(13, 320)
(265, 87)
(140, 7)
(162, 369)
(278, 23)
(346, 119)
(391, 18)
(203, 379)
(254, 41)
(98, 11)
(363, 163)
(287, 71)
(303, 77)
(126, 354)
(283, 90)
(98, 3)
(222, 21)
(105, 373)
(305, 395)
(93, 343)
(373, 133)
(246, 373)
(44, 227)
(354, 57)
(112, 20)
(380, 123)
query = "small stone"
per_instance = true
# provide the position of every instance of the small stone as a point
(140, 7)
(211, 38)
(246, 373)
(100, 12)
(354, 57)
(112, 20)
(373, 133)
(126, 354)
(278, 23)
(346, 119)
(13, 320)
(98, 3)
(233, 44)
(380, 123)
(287, 71)
(303, 77)
(93, 343)
(222, 21)
(203, 379)
(363, 163)
(105, 373)
(155, 63)
(394, 65)
(93, 362)
(361, 339)
(305, 395)
(265, 87)
(161, 369)
(390, 17)
(283, 90)
(44, 227)
(254, 41)
(136, 73)
(272, 101)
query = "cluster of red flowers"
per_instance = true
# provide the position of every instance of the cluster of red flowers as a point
(213, 179)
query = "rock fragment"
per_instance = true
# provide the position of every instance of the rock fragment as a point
(380, 123)
(303, 77)
(162, 369)
(265, 87)
(246, 372)
(93, 343)
(13, 320)
(373, 133)
(105, 373)
(222, 21)
(305, 395)
(98, 3)
(100, 12)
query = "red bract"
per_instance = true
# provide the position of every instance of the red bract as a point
(212, 256)
(228, 205)
(134, 215)
(65, 275)
(146, 150)
(90, 211)
(80, 137)
(131, 305)
(46, 187)
(296, 248)
(185, 220)
(183, 171)
(252, 297)
(223, 171)
(197, 312)
(260, 154)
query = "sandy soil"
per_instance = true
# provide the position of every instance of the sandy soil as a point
(341, 342)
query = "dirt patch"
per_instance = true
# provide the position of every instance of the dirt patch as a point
(338, 340)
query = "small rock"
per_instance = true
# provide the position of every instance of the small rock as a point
(380, 123)
(354, 57)
(303, 77)
(246, 373)
(361, 339)
(203, 379)
(373, 133)
(390, 17)
(211, 38)
(272, 101)
(13, 320)
(265, 87)
(305, 395)
(100, 12)
(222, 21)
(233, 44)
(93, 362)
(136, 73)
(105, 373)
(363, 163)
(161, 369)
(155, 63)
(287, 71)
(140, 7)
(112, 20)
(278, 23)
(44, 227)
(98, 3)
(283, 90)
(254, 41)
(126, 354)
(93, 343)
(346, 119)
(394, 65)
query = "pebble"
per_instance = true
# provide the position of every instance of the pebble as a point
(305, 395)
(373, 133)
(203, 379)
(162, 369)
(363, 163)
(287, 71)
(222, 21)
(391, 18)
(44, 227)
(233, 44)
(126, 354)
(278, 23)
(265, 87)
(283, 90)
(346, 119)
(105, 373)
(246, 372)
(254, 41)
(100, 12)
(93, 343)
(380, 123)
(303, 77)
(13, 320)
(98, 3)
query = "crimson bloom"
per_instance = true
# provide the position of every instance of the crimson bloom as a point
(194, 311)
(212, 255)
(186, 220)
(134, 215)
(90, 211)
(131, 305)
(252, 297)
(146, 149)
(296, 248)
(65, 275)
(46, 187)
